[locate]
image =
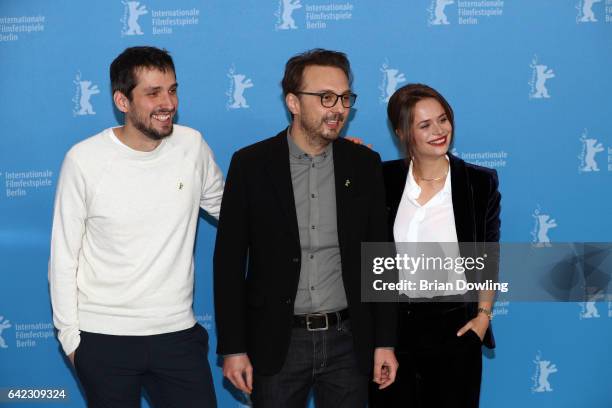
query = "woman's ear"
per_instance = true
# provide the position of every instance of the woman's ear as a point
(400, 135)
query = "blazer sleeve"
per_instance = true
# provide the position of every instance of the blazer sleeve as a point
(493, 222)
(229, 263)
(492, 234)
(385, 313)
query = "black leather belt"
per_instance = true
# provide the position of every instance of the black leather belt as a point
(319, 321)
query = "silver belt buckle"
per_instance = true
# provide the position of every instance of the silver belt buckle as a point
(320, 328)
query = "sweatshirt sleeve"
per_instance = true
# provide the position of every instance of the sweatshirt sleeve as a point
(66, 240)
(212, 186)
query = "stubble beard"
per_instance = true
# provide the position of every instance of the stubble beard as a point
(317, 137)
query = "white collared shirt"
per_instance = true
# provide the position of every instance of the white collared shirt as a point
(432, 222)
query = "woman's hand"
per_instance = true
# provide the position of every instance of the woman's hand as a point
(357, 140)
(479, 325)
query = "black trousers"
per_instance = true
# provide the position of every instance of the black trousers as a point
(437, 368)
(172, 367)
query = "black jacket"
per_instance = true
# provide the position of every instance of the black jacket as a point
(257, 251)
(476, 205)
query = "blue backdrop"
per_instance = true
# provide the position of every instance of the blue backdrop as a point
(530, 82)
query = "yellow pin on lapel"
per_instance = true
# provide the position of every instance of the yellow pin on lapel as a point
(347, 183)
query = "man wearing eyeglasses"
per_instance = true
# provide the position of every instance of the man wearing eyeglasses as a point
(295, 210)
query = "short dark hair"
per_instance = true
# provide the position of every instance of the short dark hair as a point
(292, 81)
(123, 68)
(400, 109)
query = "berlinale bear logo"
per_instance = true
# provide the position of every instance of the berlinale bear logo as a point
(543, 223)
(391, 79)
(540, 74)
(285, 14)
(84, 90)
(4, 324)
(544, 369)
(133, 10)
(238, 84)
(436, 12)
(585, 11)
(590, 147)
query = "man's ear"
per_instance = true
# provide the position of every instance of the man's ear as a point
(293, 103)
(121, 101)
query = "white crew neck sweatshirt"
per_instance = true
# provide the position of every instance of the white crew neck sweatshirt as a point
(123, 232)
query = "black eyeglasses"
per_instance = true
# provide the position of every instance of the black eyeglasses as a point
(330, 99)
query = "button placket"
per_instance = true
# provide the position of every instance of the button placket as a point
(313, 231)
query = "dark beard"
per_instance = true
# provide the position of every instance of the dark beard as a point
(152, 133)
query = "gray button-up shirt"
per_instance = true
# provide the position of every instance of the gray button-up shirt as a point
(320, 287)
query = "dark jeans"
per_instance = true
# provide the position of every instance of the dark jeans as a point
(437, 368)
(323, 361)
(172, 367)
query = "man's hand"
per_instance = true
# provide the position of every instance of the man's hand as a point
(385, 367)
(71, 358)
(479, 325)
(239, 371)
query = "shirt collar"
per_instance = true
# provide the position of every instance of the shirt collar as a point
(414, 190)
(296, 152)
(447, 189)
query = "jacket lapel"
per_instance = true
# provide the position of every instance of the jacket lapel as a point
(279, 174)
(463, 201)
(346, 190)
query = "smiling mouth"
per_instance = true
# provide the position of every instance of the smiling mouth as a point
(333, 122)
(162, 117)
(440, 141)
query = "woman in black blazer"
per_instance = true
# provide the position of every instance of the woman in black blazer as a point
(439, 348)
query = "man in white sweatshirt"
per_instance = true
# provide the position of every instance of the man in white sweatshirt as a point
(121, 265)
